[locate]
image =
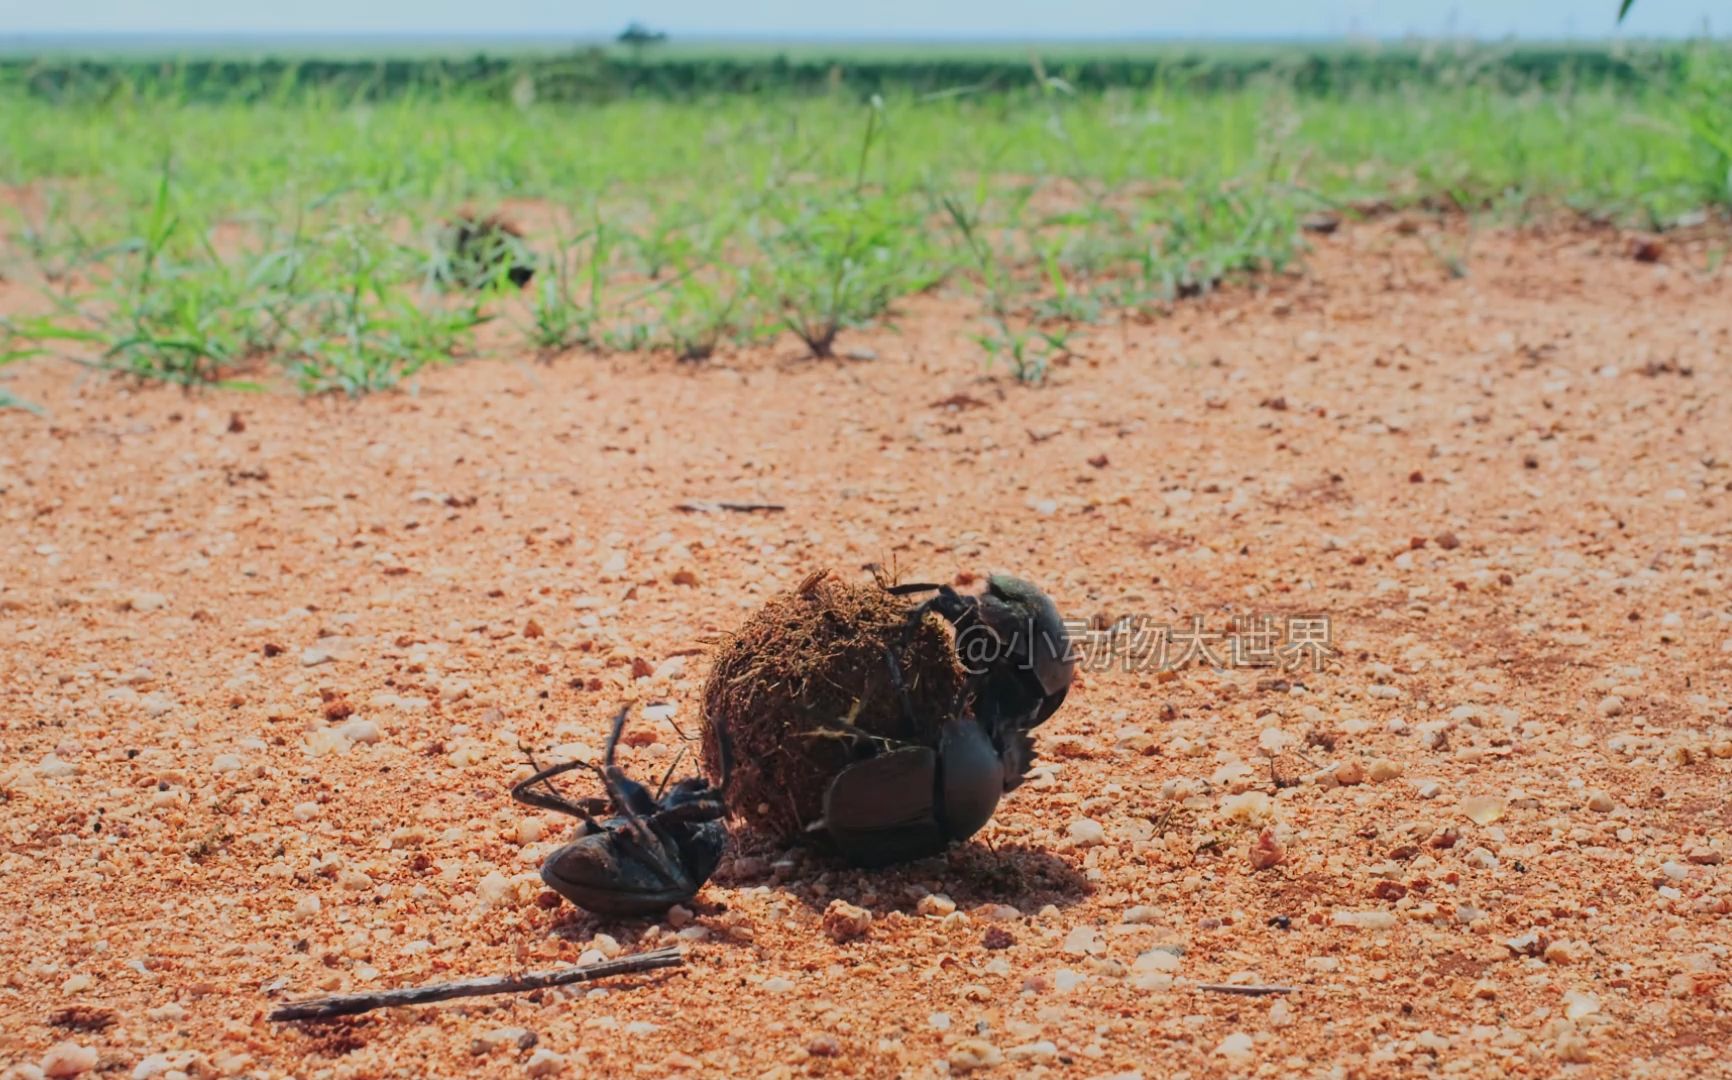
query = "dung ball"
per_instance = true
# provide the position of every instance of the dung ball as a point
(804, 686)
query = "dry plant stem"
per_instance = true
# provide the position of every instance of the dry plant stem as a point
(704, 506)
(327, 1008)
(1246, 991)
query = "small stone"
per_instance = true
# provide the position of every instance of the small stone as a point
(997, 937)
(1349, 773)
(226, 763)
(843, 922)
(679, 916)
(499, 1039)
(1087, 832)
(824, 1046)
(544, 1062)
(971, 1054)
(493, 889)
(1611, 705)
(1365, 920)
(1484, 809)
(360, 731)
(1237, 1047)
(1481, 859)
(68, 1059)
(1267, 852)
(1601, 803)
(1567, 952)
(146, 601)
(1044, 1050)
(939, 1021)
(775, 984)
(1572, 1047)
(935, 904)
(1382, 769)
(530, 830)
(1706, 856)
(1142, 914)
(1580, 1003)
(53, 768)
(1084, 941)
(1157, 960)
(154, 1065)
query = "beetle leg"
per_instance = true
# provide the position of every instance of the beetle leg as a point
(552, 799)
(661, 788)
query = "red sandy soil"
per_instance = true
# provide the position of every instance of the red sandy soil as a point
(1505, 853)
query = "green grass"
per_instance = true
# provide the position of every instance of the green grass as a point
(297, 238)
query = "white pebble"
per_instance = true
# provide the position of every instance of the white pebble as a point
(1087, 832)
(1084, 941)
(544, 1062)
(68, 1059)
(1237, 1046)
(1365, 920)
(360, 731)
(226, 763)
(1044, 1050)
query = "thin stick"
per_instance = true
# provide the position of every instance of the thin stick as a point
(706, 506)
(336, 1005)
(1246, 991)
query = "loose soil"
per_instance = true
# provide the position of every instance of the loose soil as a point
(271, 665)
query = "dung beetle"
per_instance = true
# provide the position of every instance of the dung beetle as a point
(654, 852)
(1013, 643)
(909, 801)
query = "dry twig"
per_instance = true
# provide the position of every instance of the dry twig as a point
(326, 1008)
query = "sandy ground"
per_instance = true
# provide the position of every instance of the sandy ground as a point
(265, 680)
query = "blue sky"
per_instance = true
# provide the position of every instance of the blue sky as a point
(879, 18)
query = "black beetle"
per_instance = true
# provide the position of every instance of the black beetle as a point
(1013, 643)
(908, 802)
(654, 852)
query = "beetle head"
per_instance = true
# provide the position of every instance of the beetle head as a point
(1016, 607)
